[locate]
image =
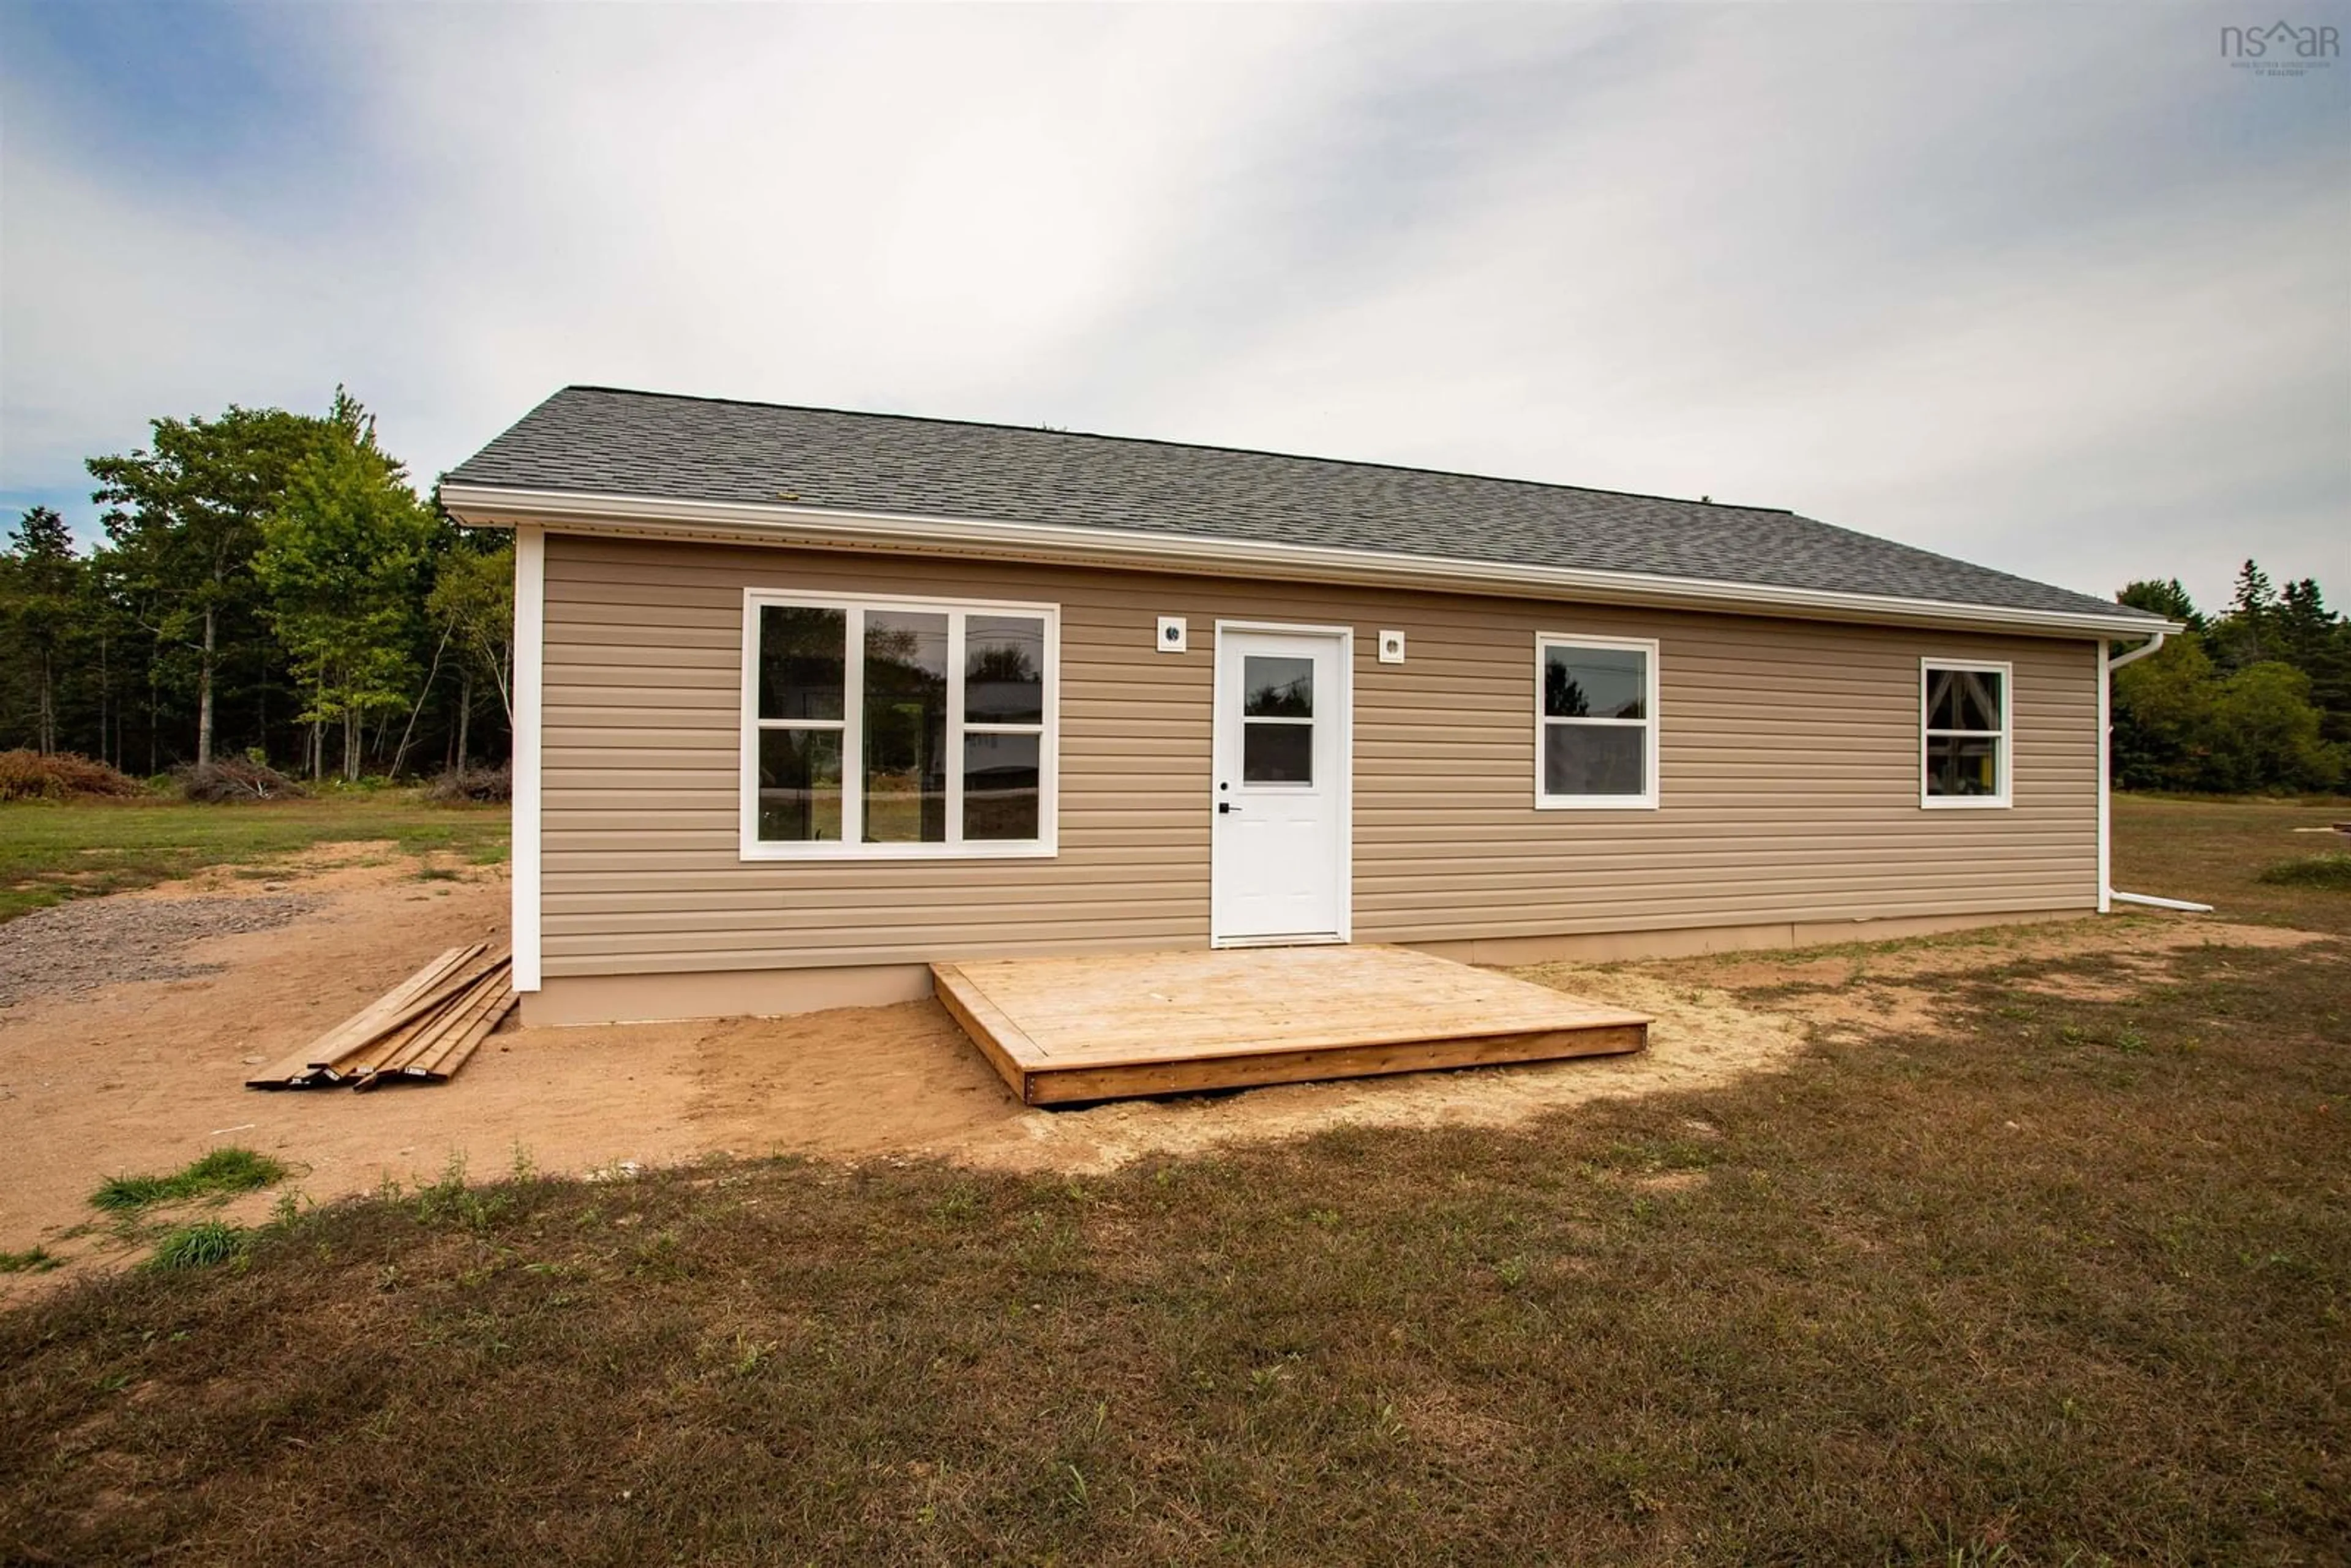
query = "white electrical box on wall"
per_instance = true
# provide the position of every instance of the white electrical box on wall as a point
(1171, 634)
(1391, 647)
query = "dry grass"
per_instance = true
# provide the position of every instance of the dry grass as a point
(2213, 851)
(2063, 1279)
(2070, 1282)
(50, 852)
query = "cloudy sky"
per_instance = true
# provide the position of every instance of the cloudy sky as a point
(2055, 289)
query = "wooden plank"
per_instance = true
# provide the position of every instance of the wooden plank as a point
(391, 1050)
(1117, 1009)
(1059, 1030)
(489, 994)
(427, 1009)
(493, 993)
(317, 1058)
(387, 1023)
(1001, 1041)
(390, 1010)
(1063, 1086)
(479, 1030)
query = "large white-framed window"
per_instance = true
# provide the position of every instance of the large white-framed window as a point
(898, 728)
(1595, 723)
(1963, 732)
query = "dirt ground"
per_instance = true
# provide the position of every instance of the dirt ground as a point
(144, 1076)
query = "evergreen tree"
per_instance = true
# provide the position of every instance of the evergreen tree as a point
(43, 593)
(2165, 598)
(2317, 642)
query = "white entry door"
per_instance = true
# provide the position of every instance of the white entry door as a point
(1280, 834)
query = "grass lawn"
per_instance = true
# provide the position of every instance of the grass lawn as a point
(2067, 1280)
(2213, 851)
(51, 851)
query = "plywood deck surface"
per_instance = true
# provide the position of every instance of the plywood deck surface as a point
(1062, 1030)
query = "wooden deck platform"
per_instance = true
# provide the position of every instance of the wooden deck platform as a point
(1062, 1030)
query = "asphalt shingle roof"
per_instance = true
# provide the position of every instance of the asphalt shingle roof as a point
(604, 441)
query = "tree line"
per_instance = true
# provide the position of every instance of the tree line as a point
(2254, 699)
(272, 589)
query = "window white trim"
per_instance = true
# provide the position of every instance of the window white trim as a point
(2005, 797)
(1646, 800)
(851, 727)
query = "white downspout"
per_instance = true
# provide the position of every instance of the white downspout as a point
(2108, 663)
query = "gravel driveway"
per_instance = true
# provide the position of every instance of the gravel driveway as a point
(100, 942)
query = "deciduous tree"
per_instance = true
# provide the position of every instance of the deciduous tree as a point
(342, 557)
(184, 519)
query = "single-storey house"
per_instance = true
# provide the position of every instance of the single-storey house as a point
(806, 700)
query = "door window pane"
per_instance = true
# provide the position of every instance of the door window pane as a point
(799, 786)
(1003, 670)
(1595, 682)
(1594, 759)
(905, 728)
(802, 662)
(1001, 778)
(1277, 688)
(1962, 765)
(1276, 753)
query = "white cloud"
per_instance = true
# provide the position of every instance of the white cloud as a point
(2054, 291)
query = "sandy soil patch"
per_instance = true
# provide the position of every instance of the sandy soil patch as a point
(144, 1076)
(904, 1079)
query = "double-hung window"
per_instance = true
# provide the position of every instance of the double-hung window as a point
(1596, 722)
(1963, 733)
(892, 729)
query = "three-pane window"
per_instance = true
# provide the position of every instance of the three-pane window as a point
(1963, 715)
(1596, 722)
(883, 728)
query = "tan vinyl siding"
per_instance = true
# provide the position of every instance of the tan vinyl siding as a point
(1790, 774)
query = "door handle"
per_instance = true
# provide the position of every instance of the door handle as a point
(1224, 806)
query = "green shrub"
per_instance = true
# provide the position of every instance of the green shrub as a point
(202, 1245)
(2315, 871)
(225, 1170)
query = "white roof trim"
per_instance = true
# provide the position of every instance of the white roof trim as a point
(499, 505)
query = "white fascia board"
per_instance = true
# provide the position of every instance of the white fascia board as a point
(498, 506)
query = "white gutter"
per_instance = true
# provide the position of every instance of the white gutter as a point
(495, 505)
(2109, 664)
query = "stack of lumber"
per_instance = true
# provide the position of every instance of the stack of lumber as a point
(422, 1030)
